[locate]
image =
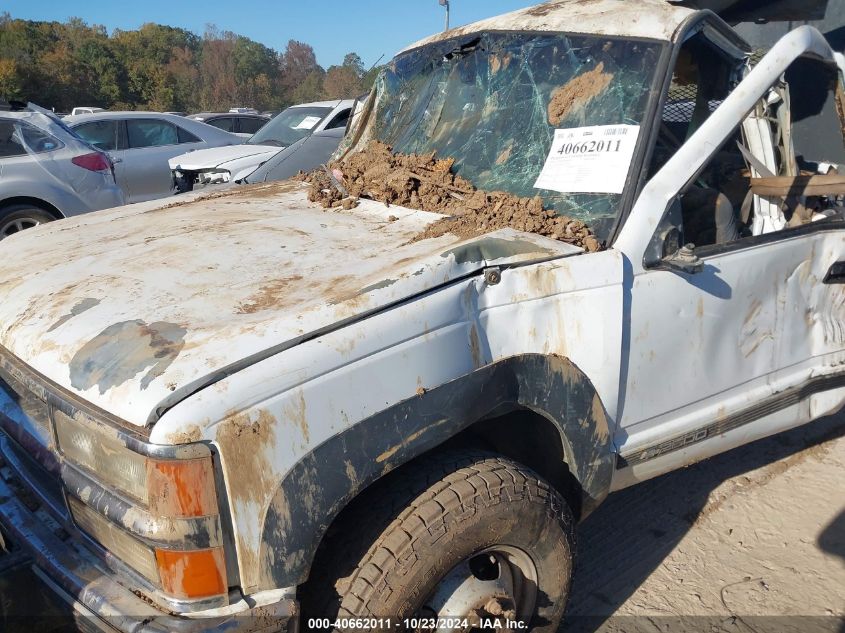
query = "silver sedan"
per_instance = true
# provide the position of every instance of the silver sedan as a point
(140, 144)
(47, 172)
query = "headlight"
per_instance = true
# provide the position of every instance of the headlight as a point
(179, 490)
(117, 541)
(106, 458)
(214, 176)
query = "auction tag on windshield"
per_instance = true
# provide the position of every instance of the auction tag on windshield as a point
(589, 159)
(307, 123)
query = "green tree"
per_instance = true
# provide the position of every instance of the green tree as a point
(10, 81)
(341, 83)
(310, 88)
(354, 62)
(66, 64)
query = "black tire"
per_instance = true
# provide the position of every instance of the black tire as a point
(420, 528)
(17, 217)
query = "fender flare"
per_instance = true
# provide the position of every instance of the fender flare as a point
(318, 487)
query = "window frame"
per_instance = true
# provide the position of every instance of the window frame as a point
(212, 120)
(27, 150)
(129, 146)
(13, 123)
(241, 119)
(117, 126)
(710, 251)
(644, 221)
(179, 130)
(330, 125)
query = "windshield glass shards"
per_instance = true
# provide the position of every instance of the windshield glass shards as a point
(542, 114)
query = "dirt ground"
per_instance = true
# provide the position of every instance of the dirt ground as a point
(751, 541)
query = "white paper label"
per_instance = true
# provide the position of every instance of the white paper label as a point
(592, 159)
(307, 123)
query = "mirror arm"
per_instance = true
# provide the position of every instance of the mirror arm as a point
(684, 260)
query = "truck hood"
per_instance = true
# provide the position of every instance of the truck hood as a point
(218, 157)
(135, 308)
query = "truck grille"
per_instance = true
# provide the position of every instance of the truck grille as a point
(28, 448)
(36, 419)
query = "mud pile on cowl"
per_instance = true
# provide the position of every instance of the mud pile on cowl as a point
(427, 183)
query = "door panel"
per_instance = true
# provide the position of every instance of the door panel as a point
(151, 143)
(755, 334)
(753, 344)
(814, 311)
(147, 172)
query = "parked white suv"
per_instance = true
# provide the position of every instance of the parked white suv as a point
(234, 164)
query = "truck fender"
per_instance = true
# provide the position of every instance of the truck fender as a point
(318, 487)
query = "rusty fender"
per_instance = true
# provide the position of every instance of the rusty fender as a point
(318, 487)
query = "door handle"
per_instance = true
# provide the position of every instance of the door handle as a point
(836, 274)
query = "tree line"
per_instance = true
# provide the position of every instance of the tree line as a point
(65, 64)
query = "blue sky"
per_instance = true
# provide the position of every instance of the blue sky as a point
(333, 27)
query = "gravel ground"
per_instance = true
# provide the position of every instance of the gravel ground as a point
(751, 541)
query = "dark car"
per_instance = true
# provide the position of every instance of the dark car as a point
(243, 123)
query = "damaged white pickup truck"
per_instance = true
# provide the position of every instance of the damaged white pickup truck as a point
(248, 412)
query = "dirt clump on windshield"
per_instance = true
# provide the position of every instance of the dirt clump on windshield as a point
(577, 93)
(427, 183)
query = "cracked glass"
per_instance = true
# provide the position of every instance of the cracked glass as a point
(492, 102)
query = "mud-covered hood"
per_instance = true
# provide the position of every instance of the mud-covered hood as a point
(135, 308)
(221, 157)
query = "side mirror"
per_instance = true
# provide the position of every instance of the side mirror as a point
(684, 260)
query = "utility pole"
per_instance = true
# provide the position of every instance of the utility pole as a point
(445, 3)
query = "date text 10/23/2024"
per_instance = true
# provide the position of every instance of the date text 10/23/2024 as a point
(415, 624)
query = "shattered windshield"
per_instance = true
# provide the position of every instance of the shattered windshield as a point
(289, 126)
(493, 102)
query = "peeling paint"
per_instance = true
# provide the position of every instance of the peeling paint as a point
(79, 308)
(122, 351)
(377, 286)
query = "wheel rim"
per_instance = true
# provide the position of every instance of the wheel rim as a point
(17, 225)
(498, 582)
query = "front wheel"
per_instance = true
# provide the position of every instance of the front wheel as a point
(489, 543)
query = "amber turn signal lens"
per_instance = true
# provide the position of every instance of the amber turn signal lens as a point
(182, 488)
(193, 574)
